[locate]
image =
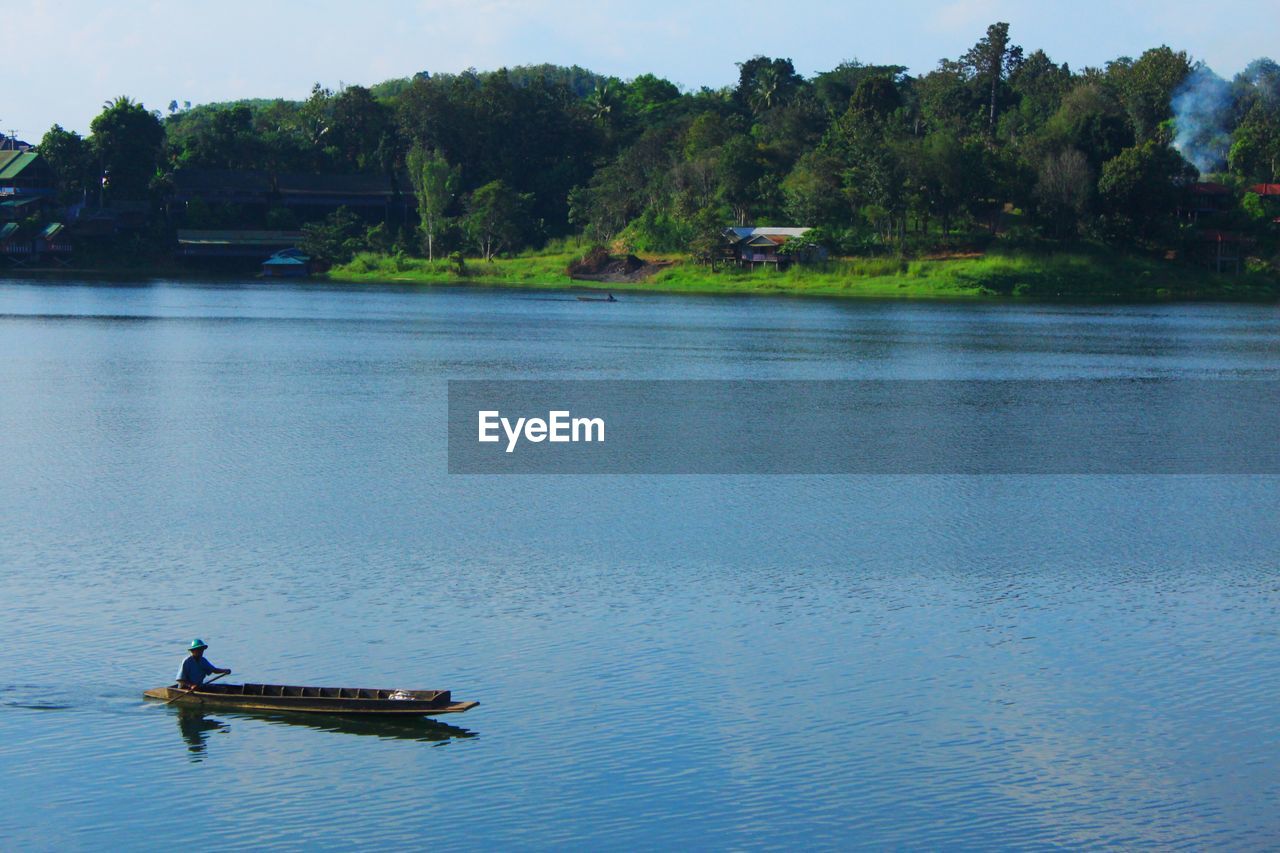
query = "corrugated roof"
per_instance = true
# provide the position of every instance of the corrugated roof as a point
(1265, 189)
(14, 166)
(250, 181)
(221, 180)
(295, 182)
(238, 238)
(767, 231)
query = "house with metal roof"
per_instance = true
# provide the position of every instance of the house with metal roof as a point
(288, 263)
(309, 196)
(20, 248)
(375, 194)
(53, 243)
(1204, 199)
(15, 247)
(26, 185)
(234, 244)
(24, 173)
(751, 246)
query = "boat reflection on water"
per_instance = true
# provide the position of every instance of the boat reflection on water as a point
(196, 726)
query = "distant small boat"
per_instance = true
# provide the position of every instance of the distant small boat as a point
(608, 298)
(317, 700)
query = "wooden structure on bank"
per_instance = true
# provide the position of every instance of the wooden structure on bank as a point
(194, 243)
(1222, 251)
(314, 700)
(375, 197)
(1204, 199)
(287, 263)
(752, 247)
(50, 246)
(26, 186)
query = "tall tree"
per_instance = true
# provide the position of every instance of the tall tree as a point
(1039, 85)
(127, 140)
(764, 83)
(834, 88)
(877, 95)
(739, 171)
(602, 102)
(649, 97)
(1147, 86)
(872, 178)
(359, 129)
(335, 239)
(1255, 151)
(68, 157)
(946, 99)
(992, 60)
(1064, 190)
(434, 184)
(1139, 187)
(812, 191)
(1092, 121)
(496, 218)
(951, 175)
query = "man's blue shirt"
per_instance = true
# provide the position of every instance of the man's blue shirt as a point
(194, 670)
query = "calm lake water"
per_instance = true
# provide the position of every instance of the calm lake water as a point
(709, 661)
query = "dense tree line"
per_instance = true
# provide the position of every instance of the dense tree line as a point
(999, 138)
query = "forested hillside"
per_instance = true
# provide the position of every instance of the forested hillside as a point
(999, 139)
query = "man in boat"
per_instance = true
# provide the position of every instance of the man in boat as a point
(195, 667)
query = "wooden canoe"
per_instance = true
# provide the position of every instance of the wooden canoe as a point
(318, 700)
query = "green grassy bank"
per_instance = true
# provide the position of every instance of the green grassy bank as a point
(1087, 274)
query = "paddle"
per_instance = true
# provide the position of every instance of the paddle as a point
(191, 690)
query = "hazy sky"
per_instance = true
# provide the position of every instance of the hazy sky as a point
(63, 59)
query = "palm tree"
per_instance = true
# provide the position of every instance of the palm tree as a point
(766, 88)
(601, 101)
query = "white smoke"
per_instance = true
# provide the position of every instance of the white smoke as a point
(1202, 115)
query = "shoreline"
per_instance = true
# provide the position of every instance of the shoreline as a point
(1016, 276)
(1005, 277)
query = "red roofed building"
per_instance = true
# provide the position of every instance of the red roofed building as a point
(1204, 198)
(1270, 194)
